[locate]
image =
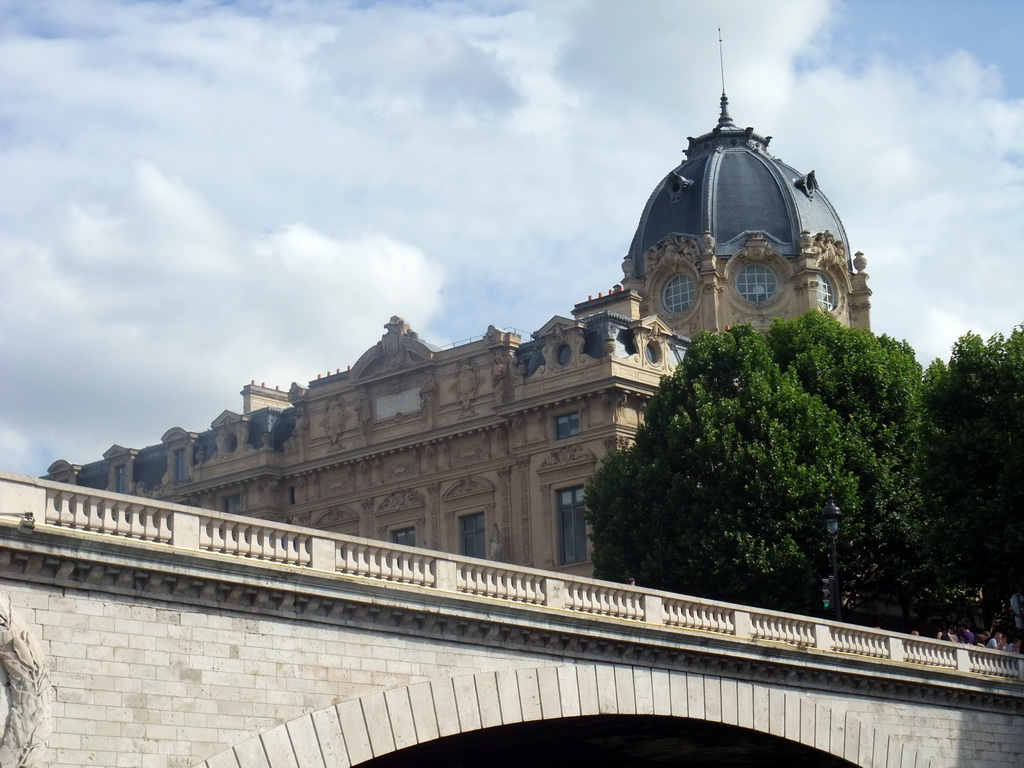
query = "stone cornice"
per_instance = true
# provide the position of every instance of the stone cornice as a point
(583, 390)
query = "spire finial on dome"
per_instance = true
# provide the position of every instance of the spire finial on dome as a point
(724, 121)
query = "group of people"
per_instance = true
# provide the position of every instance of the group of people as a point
(995, 640)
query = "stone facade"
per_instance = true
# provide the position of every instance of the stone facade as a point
(484, 448)
(815, 277)
(480, 449)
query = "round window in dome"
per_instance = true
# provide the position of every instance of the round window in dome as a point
(757, 283)
(679, 293)
(826, 293)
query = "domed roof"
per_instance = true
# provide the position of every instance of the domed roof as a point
(729, 185)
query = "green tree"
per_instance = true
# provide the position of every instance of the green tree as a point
(873, 384)
(973, 468)
(720, 494)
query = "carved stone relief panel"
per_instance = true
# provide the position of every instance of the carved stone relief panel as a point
(397, 470)
(756, 248)
(365, 481)
(333, 423)
(614, 443)
(361, 408)
(398, 503)
(501, 374)
(266, 491)
(671, 253)
(500, 441)
(434, 505)
(339, 481)
(614, 401)
(465, 386)
(518, 425)
(25, 730)
(567, 455)
(523, 470)
(467, 451)
(505, 480)
(366, 517)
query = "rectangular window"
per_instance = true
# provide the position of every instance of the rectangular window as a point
(572, 527)
(291, 494)
(471, 535)
(404, 536)
(233, 504)
(180, 469)
(567, 425)
(121, 479)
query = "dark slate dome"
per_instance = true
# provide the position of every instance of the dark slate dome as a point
(729, 185)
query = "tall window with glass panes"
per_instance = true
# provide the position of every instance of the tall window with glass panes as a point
(572, 528)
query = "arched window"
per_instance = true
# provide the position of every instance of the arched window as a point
(826, 293)
(678, 294)
(757, 283)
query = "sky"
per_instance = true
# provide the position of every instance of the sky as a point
(198, 194)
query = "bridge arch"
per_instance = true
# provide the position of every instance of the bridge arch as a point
(358, 730)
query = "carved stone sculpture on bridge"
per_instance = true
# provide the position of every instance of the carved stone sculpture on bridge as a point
(28, 693)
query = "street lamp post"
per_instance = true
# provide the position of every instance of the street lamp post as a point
(830, 515)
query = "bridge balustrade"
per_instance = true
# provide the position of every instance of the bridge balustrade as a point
(379, 561)
(699, 615)
(860, 642)
(474, 578)
(110, 514)
(244, 538)
(106, 514)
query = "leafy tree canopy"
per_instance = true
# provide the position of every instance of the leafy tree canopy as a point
(720, 494)
(973, 467)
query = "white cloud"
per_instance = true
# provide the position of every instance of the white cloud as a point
(198, 195)
(152, 309)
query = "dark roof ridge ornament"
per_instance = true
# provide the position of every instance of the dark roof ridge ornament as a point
(807, 184)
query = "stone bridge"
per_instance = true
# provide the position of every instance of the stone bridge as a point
(135, 633)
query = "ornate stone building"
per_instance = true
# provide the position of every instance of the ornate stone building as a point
(483, 448)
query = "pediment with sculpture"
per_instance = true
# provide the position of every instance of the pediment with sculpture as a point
(567, 455)
(398, 348)
(401, 500)
(332, 516)
(559, 327)
(469, 485)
